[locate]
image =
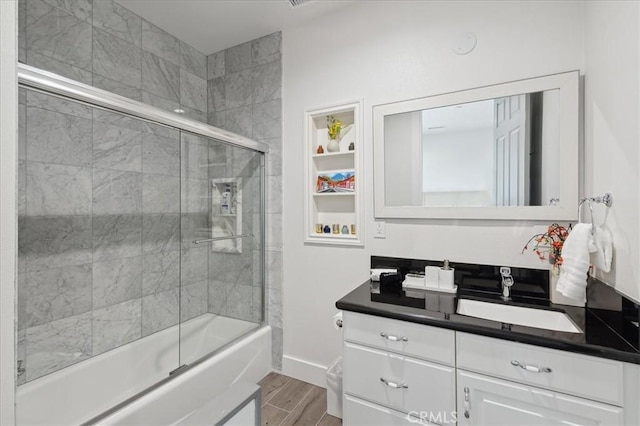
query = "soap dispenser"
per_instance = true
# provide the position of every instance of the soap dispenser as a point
(445, 276)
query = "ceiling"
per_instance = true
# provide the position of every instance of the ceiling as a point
(214, 25)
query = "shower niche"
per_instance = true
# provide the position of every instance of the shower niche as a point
(226, 214)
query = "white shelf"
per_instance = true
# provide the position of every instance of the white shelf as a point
(333, 208)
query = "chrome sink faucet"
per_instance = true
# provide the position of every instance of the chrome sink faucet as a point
(507, 282)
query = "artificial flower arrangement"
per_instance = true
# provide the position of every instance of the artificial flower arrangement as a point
(334, 127)
(548, 246)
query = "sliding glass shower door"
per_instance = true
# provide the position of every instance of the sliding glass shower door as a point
(222, 250)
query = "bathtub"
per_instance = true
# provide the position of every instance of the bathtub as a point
(83, 391)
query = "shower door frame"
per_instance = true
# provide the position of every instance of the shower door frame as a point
(44, 81)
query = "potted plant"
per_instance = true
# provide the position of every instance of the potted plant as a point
(548, 245)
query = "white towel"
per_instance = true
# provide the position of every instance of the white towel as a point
(575, 262)
(603, 241)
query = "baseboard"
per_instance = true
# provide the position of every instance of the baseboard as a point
(304, 370)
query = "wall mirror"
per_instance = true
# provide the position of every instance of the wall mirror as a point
(507, 151)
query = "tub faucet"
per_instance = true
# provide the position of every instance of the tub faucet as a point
(507, 282)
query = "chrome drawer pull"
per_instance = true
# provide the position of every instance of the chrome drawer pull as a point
(394, 385)
(531, 368)
(393, 338)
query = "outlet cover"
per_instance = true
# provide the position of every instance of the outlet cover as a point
(379, 230)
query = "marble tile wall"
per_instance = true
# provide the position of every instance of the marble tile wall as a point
(101, 43)
(99, 233)
(244, 85)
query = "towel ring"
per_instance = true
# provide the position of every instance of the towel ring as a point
(586, 200)
(606, 199)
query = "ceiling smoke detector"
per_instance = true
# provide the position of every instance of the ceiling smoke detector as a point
(296, 3)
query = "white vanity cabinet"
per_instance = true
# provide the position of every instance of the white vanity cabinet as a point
(398, 373)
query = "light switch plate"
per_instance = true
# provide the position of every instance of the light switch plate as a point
(379, 229)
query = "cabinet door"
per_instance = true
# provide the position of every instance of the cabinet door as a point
(497, 402)
(362, 413)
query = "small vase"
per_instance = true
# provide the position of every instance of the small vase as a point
(333, 145)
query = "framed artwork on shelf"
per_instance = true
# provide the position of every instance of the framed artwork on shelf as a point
(336, 181)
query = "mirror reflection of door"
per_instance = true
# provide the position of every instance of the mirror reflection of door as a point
(512, 148)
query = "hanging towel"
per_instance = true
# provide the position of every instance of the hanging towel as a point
(603, 241)
(575, 262)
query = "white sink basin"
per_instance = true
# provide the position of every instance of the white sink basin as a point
(529, 317)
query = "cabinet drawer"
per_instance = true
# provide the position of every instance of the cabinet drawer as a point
(396, 381)
(359, 412)
(581, 375)
(421, 341)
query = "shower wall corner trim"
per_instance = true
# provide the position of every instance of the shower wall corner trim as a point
(43, 80)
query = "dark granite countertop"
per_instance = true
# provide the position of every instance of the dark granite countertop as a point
(605, 333)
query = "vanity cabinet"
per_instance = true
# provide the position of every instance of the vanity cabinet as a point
(398, 372)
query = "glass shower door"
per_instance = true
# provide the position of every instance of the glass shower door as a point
(222, 280)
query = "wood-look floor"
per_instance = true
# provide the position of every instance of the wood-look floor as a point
(288, 401)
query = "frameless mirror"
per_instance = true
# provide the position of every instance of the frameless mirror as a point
(508, 151)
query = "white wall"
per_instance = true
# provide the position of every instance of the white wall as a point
(8, 218)
(388, 51)
(612, 132)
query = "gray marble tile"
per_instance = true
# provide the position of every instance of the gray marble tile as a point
(116, 148)
(116, 281)
(267, 120)
(118, 21)
(274, 307)
(58, 67)
(194, 153)
(52, 294)
(160, 272)
(116, 192)
(160, 311)
(160, 233)
(121, 120)
(238, 89)
(22, 132)
(274, 159)
(161, 155)
(217, 297)
(79, 8)
(193, 60)
(22, 297)
(216, 95)
(237, 58)
(234, 120)
(217, 160)
(194, 226)
(266, 49)
(21, 355)
(160, 194)
(267, 82)
(274, 269)
(193, 90)
(58, 344)
(116, 236)
(116, 59)
(54, 189)
(232, 268)
(160, 43)
(116, 325)
(240, 302)
(244, 163)
(22, 188)
(22, 58)
(50, 242)
(22, 96)
(257, 313)
(194, 114)
(193, 300)
(159, 102)
(58, 138)
(193, 265)
(160, 77)
(195, 196)
(57, 104)
(117, 87)
(215, 65)
(22, 30)
(274, 194)
(274, 231)
(277, 346)
(57, 34)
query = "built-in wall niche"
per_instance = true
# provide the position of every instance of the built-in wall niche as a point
(226, 214)
(333, 190)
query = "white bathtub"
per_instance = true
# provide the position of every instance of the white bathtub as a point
(82, 391)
